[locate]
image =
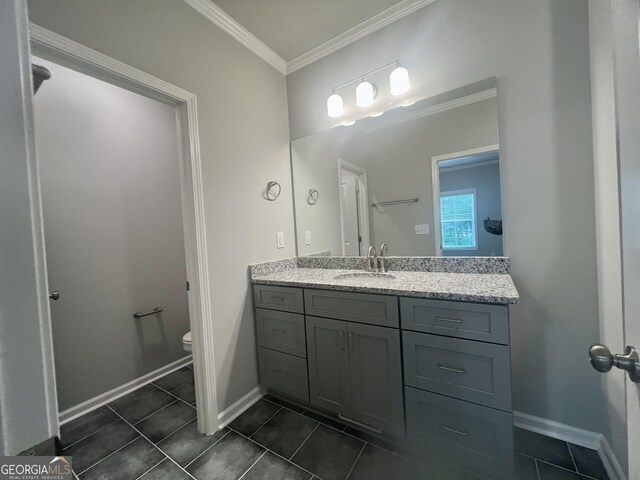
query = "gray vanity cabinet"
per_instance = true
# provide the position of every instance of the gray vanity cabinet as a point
(376, 377)
(355, 371)
(328, 359)
(372, 359)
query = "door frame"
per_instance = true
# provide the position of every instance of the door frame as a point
(435, 181)
(54, 47)
(363, 201)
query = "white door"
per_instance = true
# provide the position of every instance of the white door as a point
(626, 17)
(350, 214)
(110, 180)
(616, 31)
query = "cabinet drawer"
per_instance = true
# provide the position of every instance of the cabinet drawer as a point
(356, 307)
(284, 373)
(474, 321)
(281, 331)
(287, 299)
(479, 439)
(473, 371)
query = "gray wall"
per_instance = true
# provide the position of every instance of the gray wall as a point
(486, 182)
(243, 138)
(27, 392)
(112, 207)
(538, 51)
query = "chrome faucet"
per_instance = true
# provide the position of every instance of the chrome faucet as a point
(373, 258)
(384, 248)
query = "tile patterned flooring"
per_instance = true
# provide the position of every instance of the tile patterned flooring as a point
(151, 434)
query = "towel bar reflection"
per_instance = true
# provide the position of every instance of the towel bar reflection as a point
(395, 202)
(146, 314)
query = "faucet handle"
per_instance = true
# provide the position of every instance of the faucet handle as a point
(384, 248)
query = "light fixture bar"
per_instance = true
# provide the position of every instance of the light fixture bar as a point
(360, 77)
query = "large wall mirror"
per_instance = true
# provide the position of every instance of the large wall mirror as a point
(424, 179)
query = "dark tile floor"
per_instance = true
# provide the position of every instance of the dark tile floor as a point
(151, 434)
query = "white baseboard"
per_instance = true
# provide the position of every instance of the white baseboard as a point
(567, 433)
(610, 461)
(237, 408)
(107, 397)
(558, 430)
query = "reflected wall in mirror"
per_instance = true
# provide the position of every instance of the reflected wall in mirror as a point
(424, 179)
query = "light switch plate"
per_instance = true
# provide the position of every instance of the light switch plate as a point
(280, 239)
(307, 237)
(422, 229)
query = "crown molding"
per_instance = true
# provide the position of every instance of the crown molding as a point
(358, 31)
(228, 24)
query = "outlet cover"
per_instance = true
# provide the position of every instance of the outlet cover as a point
(280, 239)
(422, 229)
(307, 237)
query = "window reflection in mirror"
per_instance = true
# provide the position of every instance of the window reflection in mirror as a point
(424, 179)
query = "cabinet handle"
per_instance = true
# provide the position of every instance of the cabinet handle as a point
(342, 347)
(450, 369)
(279, 331)
(449, 320)
(277, 299)
(453, 430)
(281, 373)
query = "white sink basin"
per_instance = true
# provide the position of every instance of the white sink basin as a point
(365, 276)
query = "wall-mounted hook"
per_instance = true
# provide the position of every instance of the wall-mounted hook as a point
(312, 199)
(273, 191)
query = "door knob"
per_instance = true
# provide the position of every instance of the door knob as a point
(603, 360)
(55, 295)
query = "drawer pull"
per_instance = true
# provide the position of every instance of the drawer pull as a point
(277, 299)
(279, 331)
(450, 369)
(449, 320)
(453, 430)
(342, 347)
(281, 373)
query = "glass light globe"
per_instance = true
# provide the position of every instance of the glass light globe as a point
(399, 81)
(365, 94)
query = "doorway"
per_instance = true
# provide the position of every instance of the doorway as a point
(64, 52)
(110, 184)
(466, 203)
(354, 213)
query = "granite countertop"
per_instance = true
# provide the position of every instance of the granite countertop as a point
(495, 288)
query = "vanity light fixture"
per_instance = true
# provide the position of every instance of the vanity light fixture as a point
(348, 124)
(377, 114)
(366, 91)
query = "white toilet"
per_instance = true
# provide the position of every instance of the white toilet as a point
(186, 342)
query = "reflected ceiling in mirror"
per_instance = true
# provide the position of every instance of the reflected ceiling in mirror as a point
(424, 179)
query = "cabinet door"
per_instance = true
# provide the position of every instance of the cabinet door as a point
(328, 357)
(376, 377)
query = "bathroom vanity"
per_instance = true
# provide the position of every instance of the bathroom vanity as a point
(418, 357)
